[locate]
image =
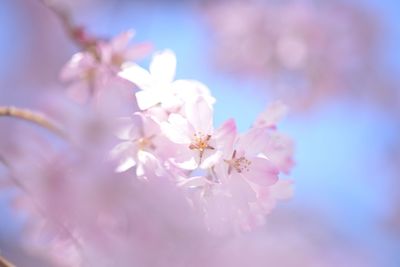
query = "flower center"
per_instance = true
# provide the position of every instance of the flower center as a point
(200, 143)
(117, 60)
(238, 164)
(145, 143)
(89, 74)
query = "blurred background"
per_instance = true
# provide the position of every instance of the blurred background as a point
(336, 64)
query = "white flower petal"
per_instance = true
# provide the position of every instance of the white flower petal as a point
(126, 164)
(147, 99)
(163, 66)
(124, 153)
(148, 164)
(190, 90)
(127, 128)
(210, 158)
(137, 75)
(184, 158)
(177, 129)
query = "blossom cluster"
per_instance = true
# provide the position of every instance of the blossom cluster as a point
(143, 160)
(231, 177)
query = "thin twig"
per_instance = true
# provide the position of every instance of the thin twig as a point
(76, 33)
(3, 161)
(5, 263)
(31, 116)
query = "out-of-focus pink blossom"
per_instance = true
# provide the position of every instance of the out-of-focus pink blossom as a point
(189, 179)
(93, 71)
(304, 51)
(230, 178)
(272, 115)
(141, 139)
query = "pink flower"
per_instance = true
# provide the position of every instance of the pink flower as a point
(242, 184)
(285, 43)
(269, 196)
(141, 140)
(194, 132)
(95, 70)
(279, 150)
(272, 115)
(240, 176)
(244, 161)
(117, 51)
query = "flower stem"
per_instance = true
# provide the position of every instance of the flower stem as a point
(31, 116)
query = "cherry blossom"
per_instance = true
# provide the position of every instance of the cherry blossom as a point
(242, 184)
(194, 133)
(142, 178)
(140, 135)
(284, 44)
(92, 71)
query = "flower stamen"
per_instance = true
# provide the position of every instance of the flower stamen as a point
(238, 164)
(200, 143)
(145, 143)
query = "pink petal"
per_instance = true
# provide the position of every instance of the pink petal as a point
(225, 137)
(253, 142)
(177, 129)
(261, 172)
(79, 92)
(151, 127)
(184, 158)
(120, 42)
(272, 115)
(137, 51)
(280, 151)
(241, 190)
(200, 116)
(76, 65)
(283, 189)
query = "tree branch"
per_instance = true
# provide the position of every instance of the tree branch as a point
(5, 263)
(76, 33)
(31, 116)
